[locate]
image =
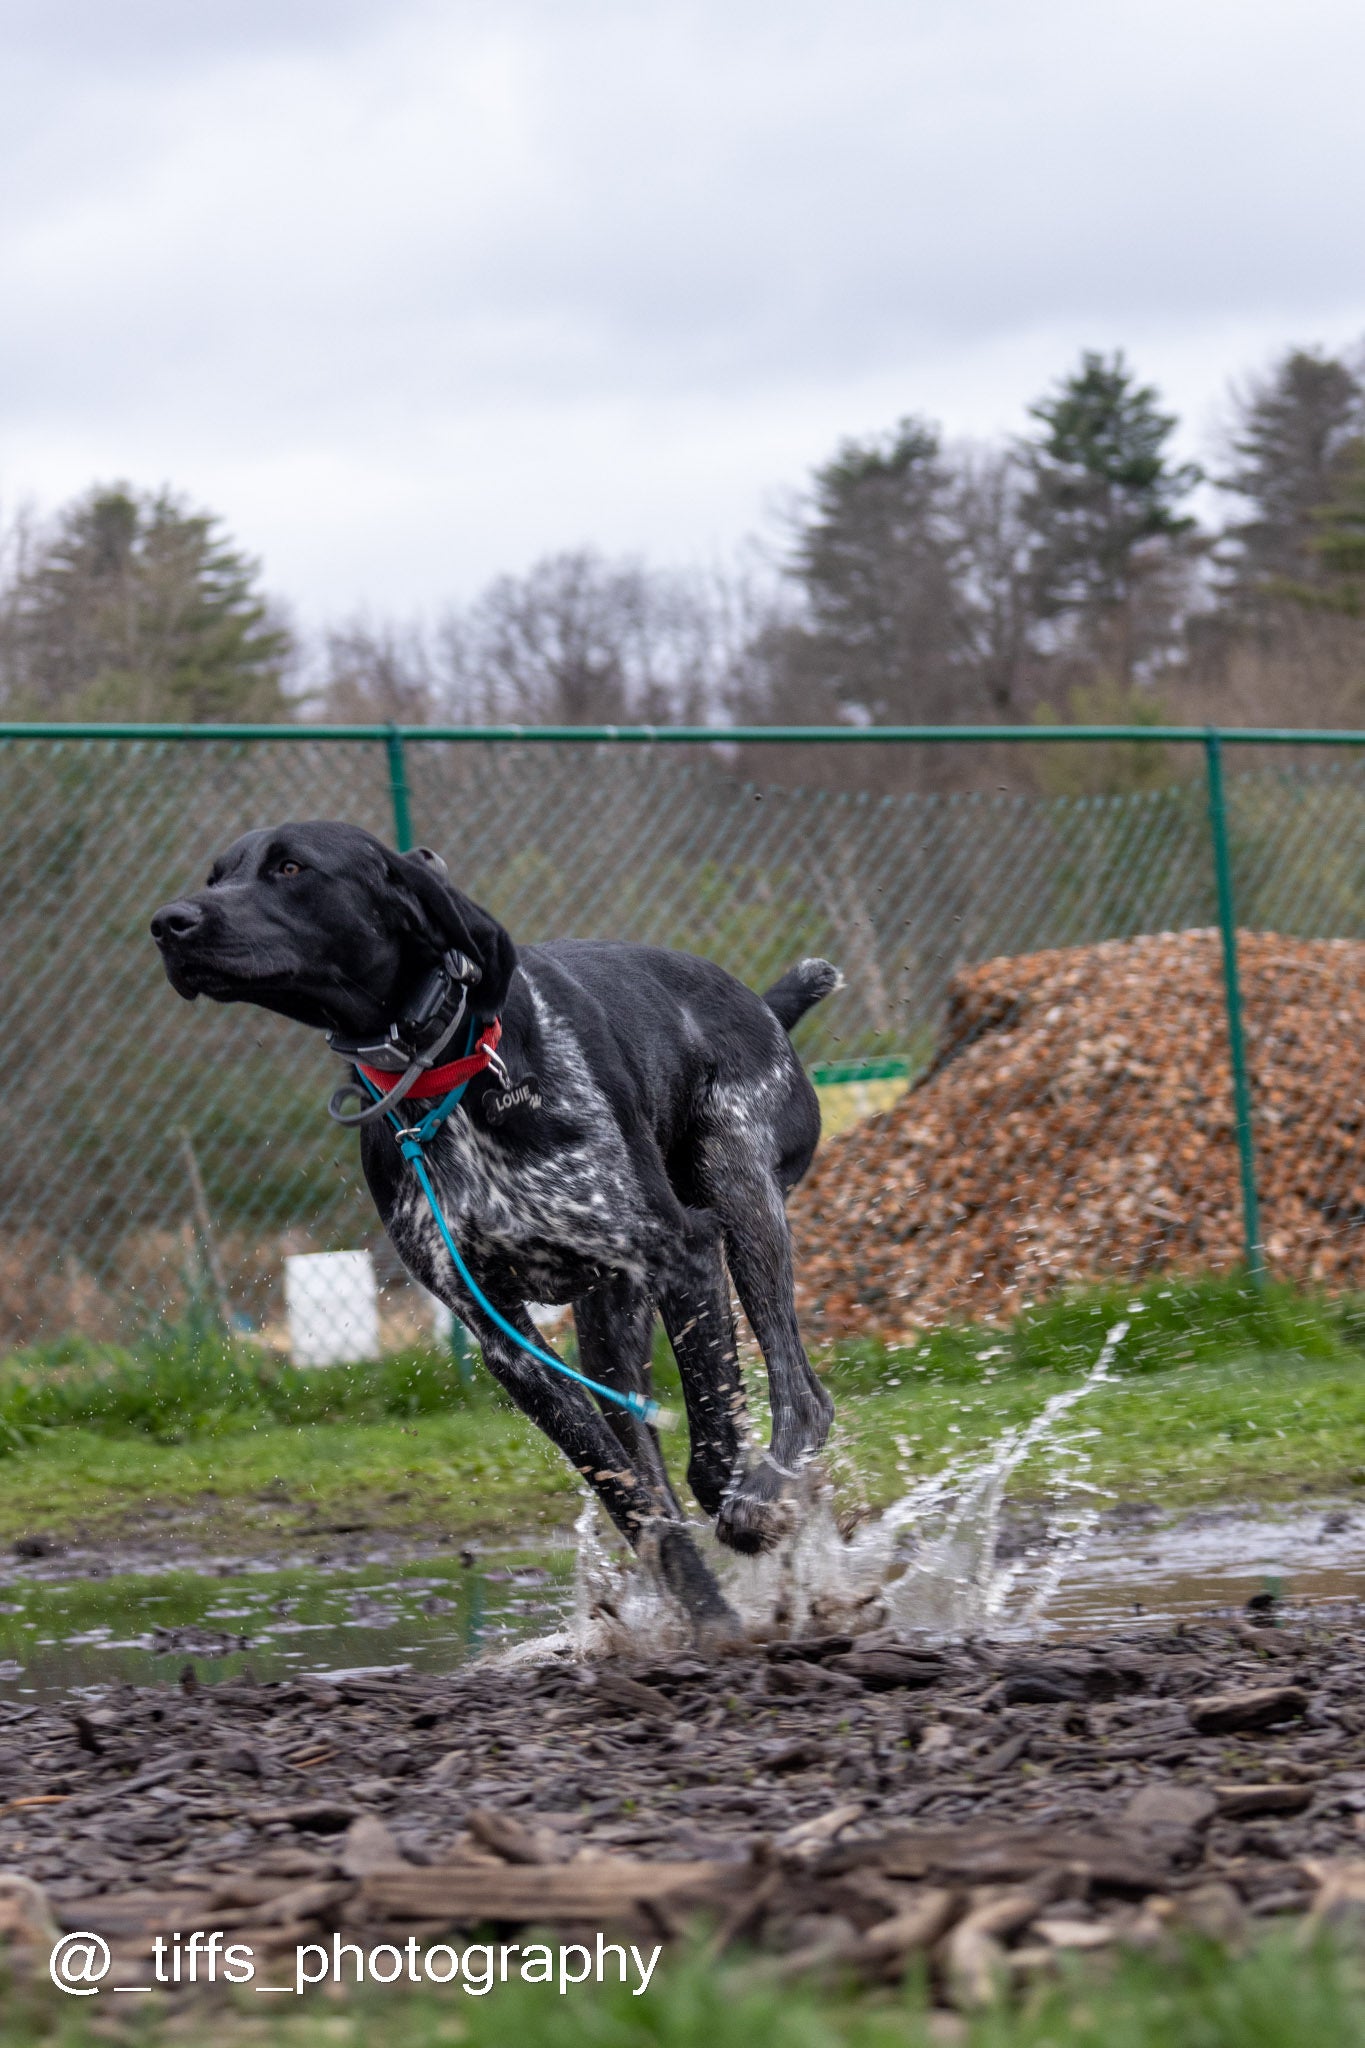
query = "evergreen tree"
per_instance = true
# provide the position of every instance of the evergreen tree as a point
(1103, 505)
(1338, 543)
(133, 607)
(1292, 437)
(876, 556)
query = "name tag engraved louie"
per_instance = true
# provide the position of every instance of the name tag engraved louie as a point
(522, 1095)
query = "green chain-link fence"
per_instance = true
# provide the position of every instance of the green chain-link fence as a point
(151, 1149)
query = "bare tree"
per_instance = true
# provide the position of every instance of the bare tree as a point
(995, 578)
(579, 640)
(373, 673)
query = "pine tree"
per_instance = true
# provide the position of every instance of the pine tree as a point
(876, 558)
(1338, 543)
(134, 607)
(1103, 505)
(1291, 440)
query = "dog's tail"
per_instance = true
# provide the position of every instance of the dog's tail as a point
(800, 988)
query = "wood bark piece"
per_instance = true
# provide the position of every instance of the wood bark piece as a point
(122, 1916)
(1241, 1802)
(1062, 1933)
(369, 1846)
(1340, 1894)
(305, 1902)
(319, 1816)
(511, 1839)
(882, 1951)
(1262, 1706)
(883, 1670)
(1172, 1817)
(977, 1855)
(604, 1888)
(915, 1928)
(627, 1695)
(806, 1649)
(792, 1679)
(974, 1957)
(809, 1838)
(25, 1912)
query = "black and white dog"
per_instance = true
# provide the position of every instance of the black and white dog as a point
(651, 1122)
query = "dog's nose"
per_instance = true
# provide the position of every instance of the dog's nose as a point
(177, 920)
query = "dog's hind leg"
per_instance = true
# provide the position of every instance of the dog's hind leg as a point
(758, 1506)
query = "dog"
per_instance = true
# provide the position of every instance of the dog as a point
(649, 1123)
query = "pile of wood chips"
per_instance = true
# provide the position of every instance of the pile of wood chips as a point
(1077, 1123)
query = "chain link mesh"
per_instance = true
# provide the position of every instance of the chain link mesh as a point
(153, 1149)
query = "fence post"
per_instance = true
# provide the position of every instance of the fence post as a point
(1232, 990)
(398, 790)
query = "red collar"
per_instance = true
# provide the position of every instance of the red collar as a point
(440, 1080)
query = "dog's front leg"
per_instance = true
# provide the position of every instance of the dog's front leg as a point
(565, 1413)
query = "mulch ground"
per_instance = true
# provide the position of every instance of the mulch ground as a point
(832, 1804)
(1077, 1123)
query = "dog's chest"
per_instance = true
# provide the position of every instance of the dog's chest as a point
(544, 1228)
(546, 1220)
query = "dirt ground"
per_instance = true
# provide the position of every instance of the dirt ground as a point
(831, 1804)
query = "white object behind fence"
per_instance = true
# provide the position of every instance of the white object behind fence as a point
(333, 1307)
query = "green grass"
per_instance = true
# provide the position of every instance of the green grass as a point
(1278, 1995)
(1216, 1389)
(463, 1474)
(187, 1379)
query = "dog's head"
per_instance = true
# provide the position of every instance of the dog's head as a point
(327, 925)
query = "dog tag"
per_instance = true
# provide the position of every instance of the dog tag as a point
(500, 1104)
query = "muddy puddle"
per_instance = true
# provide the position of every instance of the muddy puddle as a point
(1140, 1564)
(434, 1614)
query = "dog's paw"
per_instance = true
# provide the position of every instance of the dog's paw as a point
(715, 1625)
(758, 1510)
(720, 1635)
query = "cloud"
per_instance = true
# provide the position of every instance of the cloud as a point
(412, 291)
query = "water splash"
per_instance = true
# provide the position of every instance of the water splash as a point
(954, 1582)
(621, 1605)
(931, 1562)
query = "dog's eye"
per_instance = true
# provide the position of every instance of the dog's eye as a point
(289, 867)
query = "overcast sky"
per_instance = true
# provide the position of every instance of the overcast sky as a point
(413, 292)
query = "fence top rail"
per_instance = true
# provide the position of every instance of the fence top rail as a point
(698, 735)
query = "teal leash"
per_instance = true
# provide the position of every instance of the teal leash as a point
(411, 1139)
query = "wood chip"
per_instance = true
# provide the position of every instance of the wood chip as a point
(605, 1887)
(977, 1855)
(809, 1837)
(883, 1670)
(1226, 1713)
(1241, 1802)
(319, 1816)
(369, 1846)
(616, 1689)
(511, 1839)
(1074, 1934)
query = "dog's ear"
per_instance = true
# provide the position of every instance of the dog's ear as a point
(432, 861)
(441, 918)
